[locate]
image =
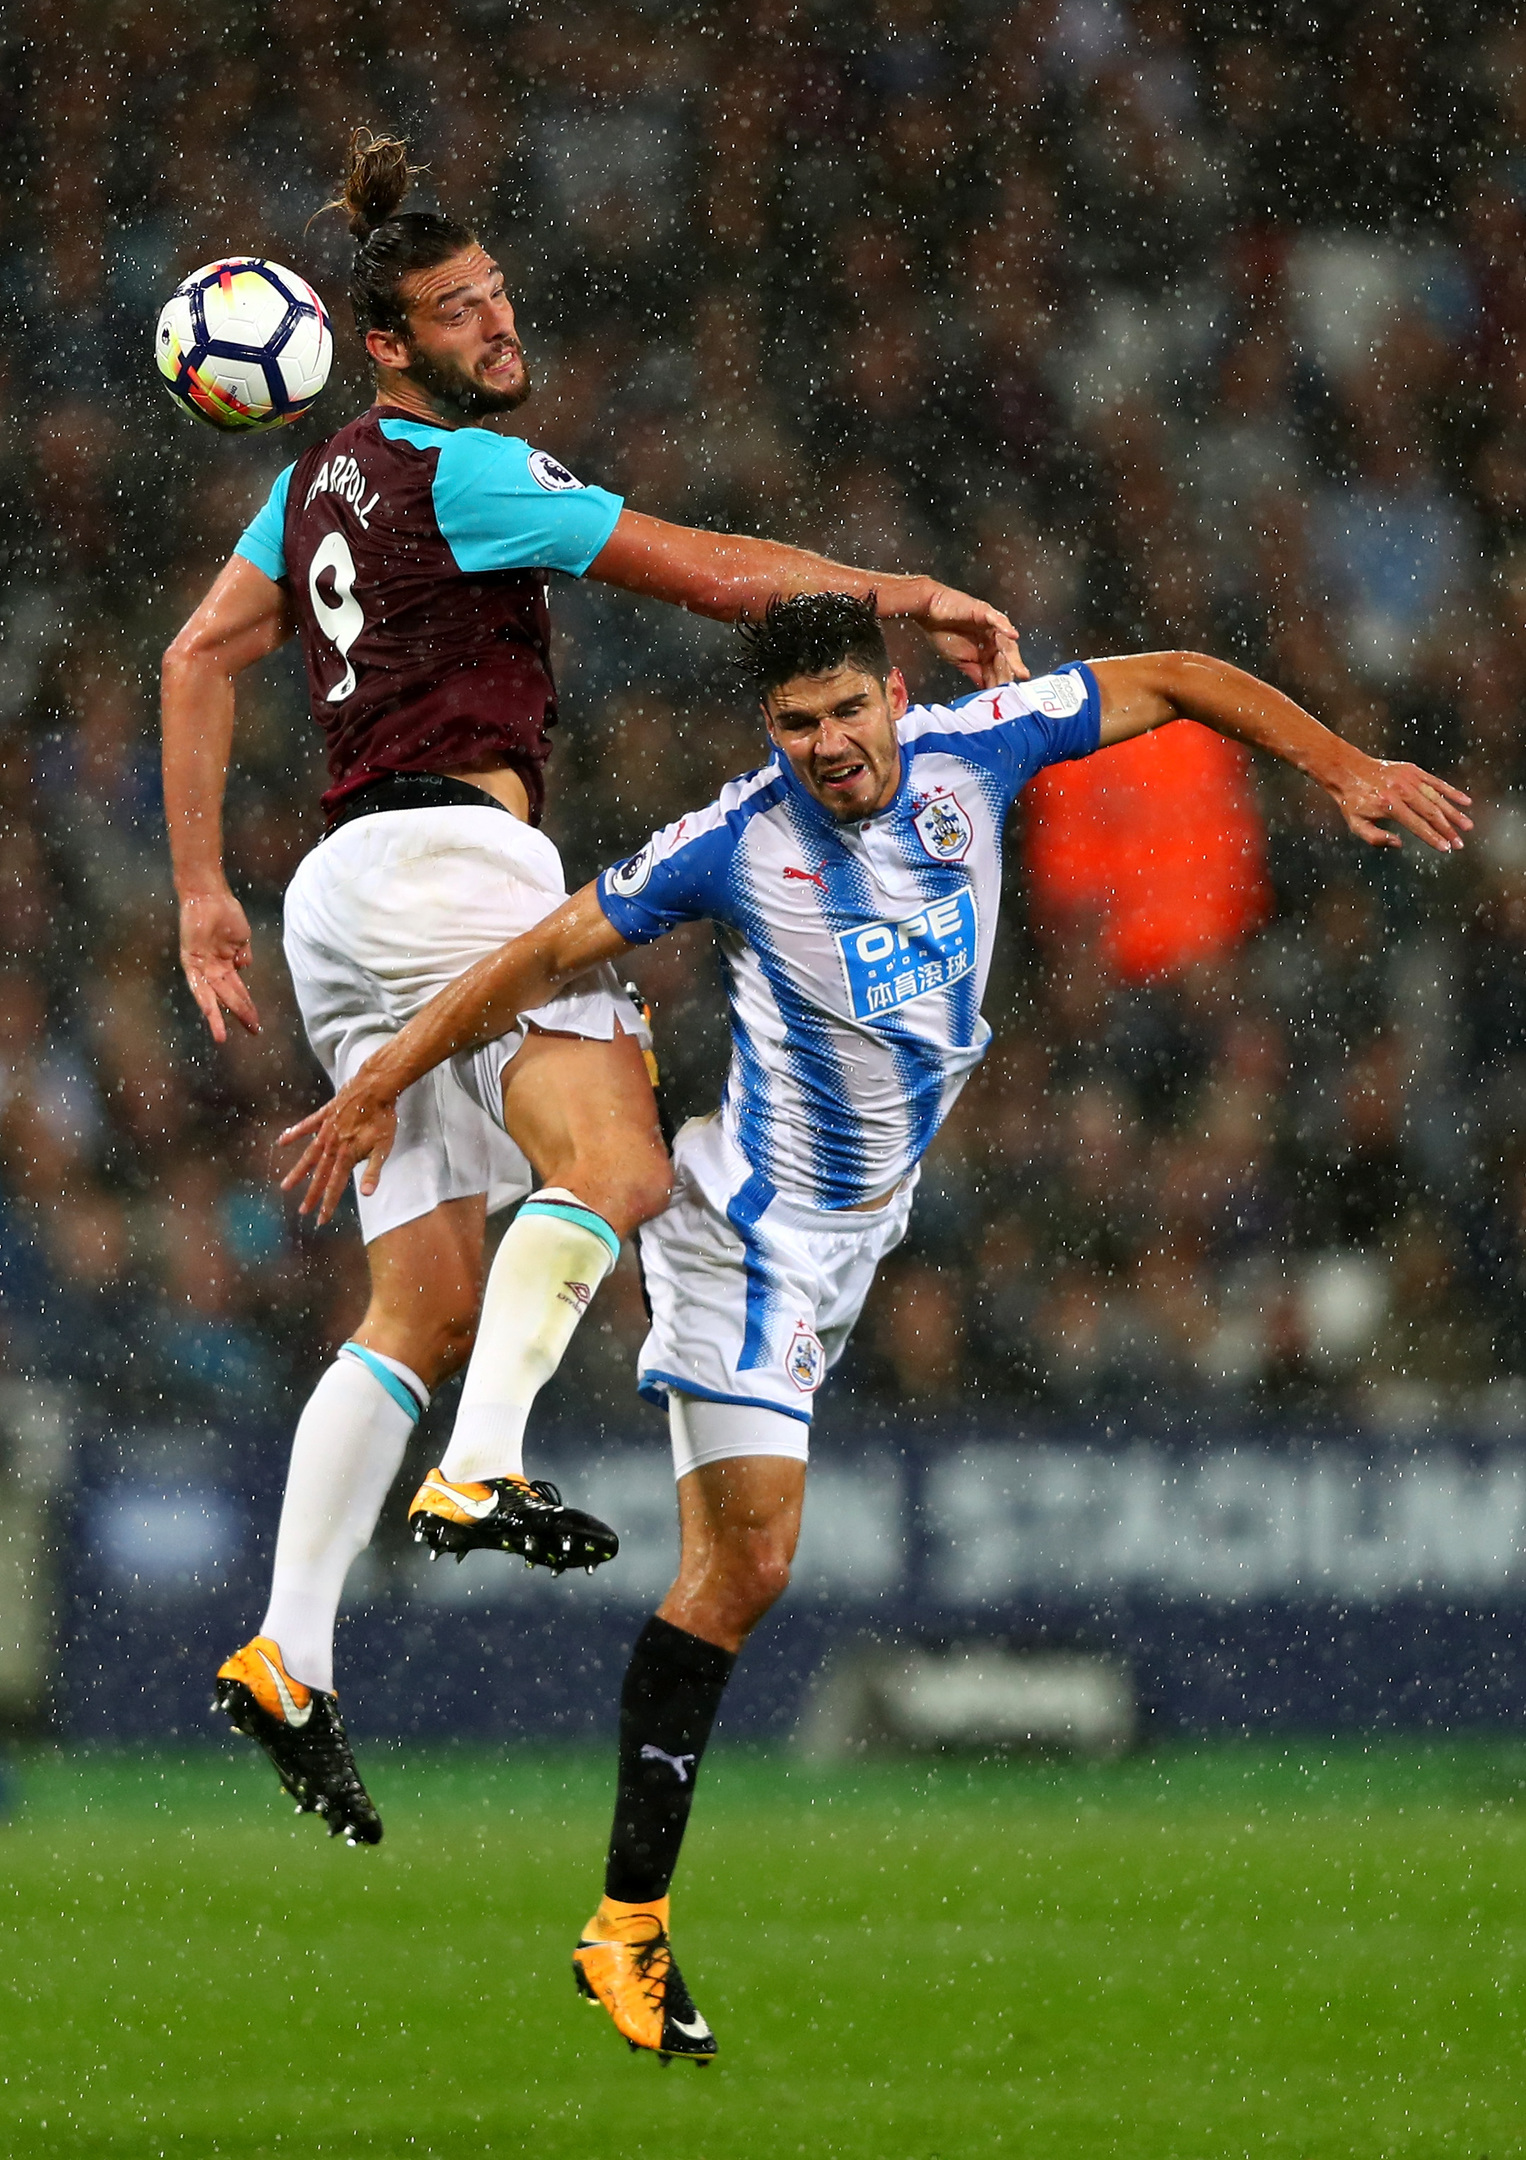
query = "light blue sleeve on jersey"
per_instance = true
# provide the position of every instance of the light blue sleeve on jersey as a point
(263, 540)
(683, 874)
(502, 506)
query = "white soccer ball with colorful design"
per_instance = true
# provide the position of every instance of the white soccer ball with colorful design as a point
(244, 344)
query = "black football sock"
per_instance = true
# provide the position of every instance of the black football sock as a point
(673, 1688)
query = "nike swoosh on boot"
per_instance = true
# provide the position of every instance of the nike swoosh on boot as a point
(289, 1710)
(457, 1498)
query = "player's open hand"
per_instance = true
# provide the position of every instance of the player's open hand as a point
(358, 1126)
(215, 952)
(1375, 794)
(977, 638)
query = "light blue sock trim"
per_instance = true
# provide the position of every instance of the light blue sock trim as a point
(583, 1217)
(403, 1396)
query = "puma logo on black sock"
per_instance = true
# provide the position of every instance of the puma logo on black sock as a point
(657, 1754)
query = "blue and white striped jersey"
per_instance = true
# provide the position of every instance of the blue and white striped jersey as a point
(856, 954)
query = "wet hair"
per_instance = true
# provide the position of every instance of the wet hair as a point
(389, 245)
(812, 634)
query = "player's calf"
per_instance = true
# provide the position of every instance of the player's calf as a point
(672, 1690)
(544, 1276)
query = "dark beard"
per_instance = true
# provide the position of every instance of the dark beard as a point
(461, 393)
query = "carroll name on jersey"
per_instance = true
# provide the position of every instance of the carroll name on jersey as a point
(416, 560)
(857, 954)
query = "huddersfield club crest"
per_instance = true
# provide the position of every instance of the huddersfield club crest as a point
(805, 1359)
(944, 829)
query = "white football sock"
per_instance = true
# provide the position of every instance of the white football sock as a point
(554, 1255)
(348, 1448)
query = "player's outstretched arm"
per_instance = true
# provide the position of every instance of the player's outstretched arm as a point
(729, 576)
(360, 1123)
(243, 618)
(1372, 794)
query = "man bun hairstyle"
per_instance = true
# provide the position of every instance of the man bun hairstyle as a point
(811, 634)
(389, 244)
(377, 177)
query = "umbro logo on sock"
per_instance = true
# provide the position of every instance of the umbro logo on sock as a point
(675, 1762)
(581, 1296)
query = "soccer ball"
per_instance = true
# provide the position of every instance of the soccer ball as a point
(244, 344)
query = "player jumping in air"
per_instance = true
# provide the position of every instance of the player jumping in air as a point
(410, 555)
(854, 882)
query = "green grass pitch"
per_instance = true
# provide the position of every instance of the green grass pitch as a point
(1305, 1950)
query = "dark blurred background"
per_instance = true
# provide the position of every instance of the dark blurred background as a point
(1160, 327)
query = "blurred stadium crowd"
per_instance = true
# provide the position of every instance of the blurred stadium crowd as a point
(1162, 327)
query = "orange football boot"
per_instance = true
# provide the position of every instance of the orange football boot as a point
(625, 1961)
(301, 1731)
(509, 1514)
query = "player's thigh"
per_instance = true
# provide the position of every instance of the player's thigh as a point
(583, 1111)
(739, 1504)
(426, 1281)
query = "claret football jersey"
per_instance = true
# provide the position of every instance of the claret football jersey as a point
(856, 954)
(416, 559)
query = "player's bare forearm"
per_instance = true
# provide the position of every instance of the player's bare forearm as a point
(214, 930)
(243, 618)
(732, 576)
(482, 1004)
(197, 718)
(485, 1002)
(1146, 690)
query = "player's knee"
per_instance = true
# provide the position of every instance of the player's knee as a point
(759, 1578)
(455, 1334)
(434, 1345)
(636, 1190)
(651, 1188)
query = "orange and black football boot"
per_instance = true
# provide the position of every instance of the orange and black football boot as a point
(509, 1514)
(625, 1961)
(301, 1731)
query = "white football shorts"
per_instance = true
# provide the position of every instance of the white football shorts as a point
(753, 1295)
(379, 917)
